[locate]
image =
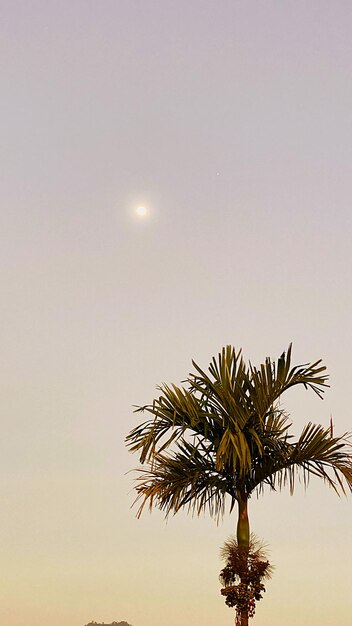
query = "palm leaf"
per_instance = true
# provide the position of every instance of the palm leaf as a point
(186, 478)
(316, 453)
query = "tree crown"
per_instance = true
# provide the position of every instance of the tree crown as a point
(224, 432)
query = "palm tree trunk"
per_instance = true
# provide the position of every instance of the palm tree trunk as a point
(243, 534)
(243, 523)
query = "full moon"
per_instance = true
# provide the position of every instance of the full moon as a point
(141, 211)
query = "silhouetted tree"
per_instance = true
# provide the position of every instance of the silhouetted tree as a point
(226, 435)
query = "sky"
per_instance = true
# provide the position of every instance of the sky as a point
(231, 123)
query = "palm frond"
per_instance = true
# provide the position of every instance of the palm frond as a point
(174, 411)
(316, 453)
(271, 380)
(187, 478)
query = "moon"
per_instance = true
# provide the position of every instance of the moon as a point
(142, 211)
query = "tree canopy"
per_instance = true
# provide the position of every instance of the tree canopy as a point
(224, 433)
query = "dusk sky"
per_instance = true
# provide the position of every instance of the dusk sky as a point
(231, 123)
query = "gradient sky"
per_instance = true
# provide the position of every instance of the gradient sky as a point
(232, 123)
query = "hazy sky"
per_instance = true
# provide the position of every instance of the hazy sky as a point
(231, 122)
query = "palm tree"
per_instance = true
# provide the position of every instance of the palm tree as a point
(224, 435)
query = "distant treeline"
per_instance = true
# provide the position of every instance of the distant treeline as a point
(111, 624)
